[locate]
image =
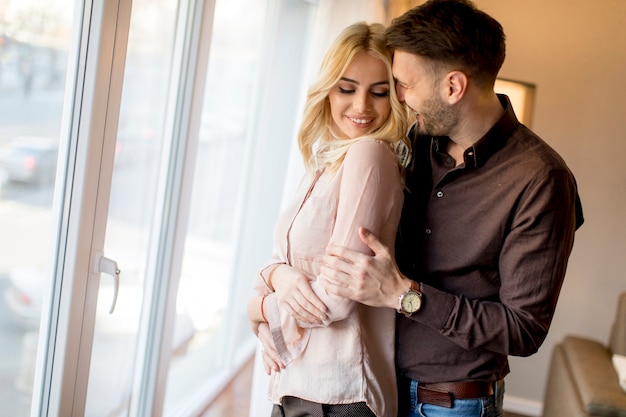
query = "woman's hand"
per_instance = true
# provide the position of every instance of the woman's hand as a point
(271, 359)
(294, 293)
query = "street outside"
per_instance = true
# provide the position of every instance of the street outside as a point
(15, 402)
(24, 220)
(25, 211)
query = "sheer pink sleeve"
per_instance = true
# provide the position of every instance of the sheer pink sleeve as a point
(370, 196)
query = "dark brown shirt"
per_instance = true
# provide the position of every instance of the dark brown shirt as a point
(489, 240)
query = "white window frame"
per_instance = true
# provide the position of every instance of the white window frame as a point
(89, 129)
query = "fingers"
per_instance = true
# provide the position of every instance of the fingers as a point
(346, 255)
(305, 316)
(271, 359)
(303, 312)
(266, 366)
(312, 302)
(340, 265)
(312, 309)
(352, 256)
(372, 242)
(270, 363)
(298, 298)
(333, 285)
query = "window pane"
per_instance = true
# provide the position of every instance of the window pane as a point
(209, 253)
(34, 44)
(132, 204)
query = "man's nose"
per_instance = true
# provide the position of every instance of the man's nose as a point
(400, 92)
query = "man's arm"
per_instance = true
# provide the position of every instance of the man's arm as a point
(517, 322)
(372, 280)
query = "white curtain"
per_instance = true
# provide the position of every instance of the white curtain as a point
(331, 16)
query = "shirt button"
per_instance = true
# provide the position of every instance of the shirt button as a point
(428, 231)
(439, 194)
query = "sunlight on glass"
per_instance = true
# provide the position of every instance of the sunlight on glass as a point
(233, 71)
(132, 204)
(34, 44)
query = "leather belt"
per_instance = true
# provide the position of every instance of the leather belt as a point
(443, 394)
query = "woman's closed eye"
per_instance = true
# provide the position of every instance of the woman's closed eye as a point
(344, 90)
(375, 93)
(381, 94)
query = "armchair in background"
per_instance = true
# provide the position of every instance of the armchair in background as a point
(582, 379)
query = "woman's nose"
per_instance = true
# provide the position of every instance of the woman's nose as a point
(361, 102)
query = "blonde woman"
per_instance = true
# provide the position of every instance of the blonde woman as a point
(339, 362)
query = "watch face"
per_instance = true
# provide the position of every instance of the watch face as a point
(411, 302)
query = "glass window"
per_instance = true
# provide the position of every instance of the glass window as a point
(234, 69)
(249, 106)
(249, 112)
(133, 198)
(34, 44)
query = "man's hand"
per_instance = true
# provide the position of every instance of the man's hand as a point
(271, 359)
(372, 280)
(293, 290)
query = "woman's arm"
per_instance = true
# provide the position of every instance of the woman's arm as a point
(256, 315)
(370, 196)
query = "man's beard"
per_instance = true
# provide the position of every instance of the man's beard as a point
(436, 119)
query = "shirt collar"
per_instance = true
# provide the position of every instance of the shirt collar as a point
(495, 138)
(476, 155)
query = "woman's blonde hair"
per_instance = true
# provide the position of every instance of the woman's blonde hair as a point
(316, 128)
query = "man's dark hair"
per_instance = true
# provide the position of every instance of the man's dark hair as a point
(453, 35)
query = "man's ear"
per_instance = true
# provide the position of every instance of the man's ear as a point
(455, 84)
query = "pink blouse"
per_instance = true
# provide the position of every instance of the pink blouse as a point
(350, 358)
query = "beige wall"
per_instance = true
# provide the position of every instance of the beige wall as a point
(574, 51)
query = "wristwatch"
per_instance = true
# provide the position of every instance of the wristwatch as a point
(409, 302)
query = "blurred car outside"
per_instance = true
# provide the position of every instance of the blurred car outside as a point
(29, 159)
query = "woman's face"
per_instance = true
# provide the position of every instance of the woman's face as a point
(359, 102)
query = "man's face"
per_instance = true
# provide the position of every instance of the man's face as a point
(422, 92)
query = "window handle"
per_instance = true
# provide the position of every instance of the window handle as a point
(108, 266)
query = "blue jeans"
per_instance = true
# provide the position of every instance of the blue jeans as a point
(475, 407)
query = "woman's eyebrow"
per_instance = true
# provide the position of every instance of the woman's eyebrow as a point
(357, 83)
